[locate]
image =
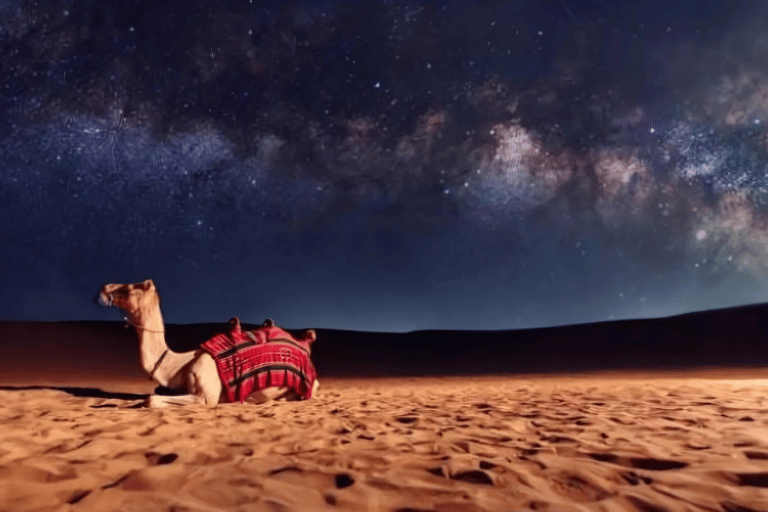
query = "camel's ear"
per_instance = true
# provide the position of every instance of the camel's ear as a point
(148, 285)
(268, 323)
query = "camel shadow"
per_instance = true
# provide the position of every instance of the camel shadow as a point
(80, 392)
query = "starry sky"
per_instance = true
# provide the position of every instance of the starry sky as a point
(384, 165)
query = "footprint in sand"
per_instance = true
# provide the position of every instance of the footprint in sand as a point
(639, 462)
(158, 459)
(633, 478)
(165, 477)
(343, 480)
(297, 475)
(752, 479)
(77, 496)
(472, 476)
(577, 489)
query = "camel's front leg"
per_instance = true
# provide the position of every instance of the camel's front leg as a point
(204, 380)
(165, 400)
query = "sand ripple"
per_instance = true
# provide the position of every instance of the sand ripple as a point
(458, 444)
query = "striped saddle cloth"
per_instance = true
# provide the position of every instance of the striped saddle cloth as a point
(250, 361)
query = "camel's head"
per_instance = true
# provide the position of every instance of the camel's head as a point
(131, 298)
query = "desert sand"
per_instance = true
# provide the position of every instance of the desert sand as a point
(620, 442)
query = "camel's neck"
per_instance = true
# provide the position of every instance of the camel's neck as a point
(159, 361)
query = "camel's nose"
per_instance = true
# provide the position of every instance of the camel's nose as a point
(102, 300)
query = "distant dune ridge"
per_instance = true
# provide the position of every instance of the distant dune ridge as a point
(597, 417)
(734, 337)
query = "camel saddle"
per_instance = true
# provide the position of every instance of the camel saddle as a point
(249, 361)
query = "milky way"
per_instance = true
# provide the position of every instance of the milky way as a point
(384, 165)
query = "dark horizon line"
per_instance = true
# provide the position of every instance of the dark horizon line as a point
(251, 325)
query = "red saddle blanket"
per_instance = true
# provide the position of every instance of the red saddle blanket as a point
(250, 361)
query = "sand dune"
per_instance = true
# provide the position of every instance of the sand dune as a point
(73, 436)
(452, 444)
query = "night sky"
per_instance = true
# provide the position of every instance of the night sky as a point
(386, 166)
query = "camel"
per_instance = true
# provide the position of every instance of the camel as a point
(193, 373)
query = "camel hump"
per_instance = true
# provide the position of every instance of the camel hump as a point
(310, 335)
(234, 323)
(269, 323)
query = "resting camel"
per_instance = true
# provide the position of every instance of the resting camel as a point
(194, 373)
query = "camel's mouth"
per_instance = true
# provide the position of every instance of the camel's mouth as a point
(104, 300)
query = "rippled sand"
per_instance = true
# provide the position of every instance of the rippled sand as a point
(453, 444)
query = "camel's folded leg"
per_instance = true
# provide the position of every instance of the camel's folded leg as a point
(278, 394)
(165, 401)
(267, 394)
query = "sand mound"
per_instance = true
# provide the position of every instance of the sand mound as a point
(398, 445)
